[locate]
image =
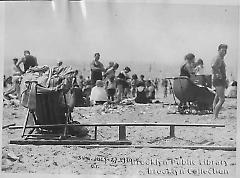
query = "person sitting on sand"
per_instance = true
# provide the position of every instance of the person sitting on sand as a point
(16, 77)
(188, 68)
(232, 90)
(141, 93)
(98, 93)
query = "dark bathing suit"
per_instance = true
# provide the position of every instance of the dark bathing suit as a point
(219, 75)
(96, 74)
(31, 61)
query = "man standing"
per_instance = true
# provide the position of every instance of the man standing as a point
(96, 69)
(28, 61)
(219, 79)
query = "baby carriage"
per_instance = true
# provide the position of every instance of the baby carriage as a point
(192, 96)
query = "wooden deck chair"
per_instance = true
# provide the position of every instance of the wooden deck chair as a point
(49, 111)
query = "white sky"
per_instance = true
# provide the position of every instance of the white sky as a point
(134, 34)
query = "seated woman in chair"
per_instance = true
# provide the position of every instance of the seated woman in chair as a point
(98, 93)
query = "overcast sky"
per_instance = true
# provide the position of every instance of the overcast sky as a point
(134, 34)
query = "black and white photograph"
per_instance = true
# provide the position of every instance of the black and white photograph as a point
(119, 88)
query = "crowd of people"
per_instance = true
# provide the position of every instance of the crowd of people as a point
(108, 85)
(105, 84)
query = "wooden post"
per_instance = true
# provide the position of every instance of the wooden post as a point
(122, 132)
(25, 122)
(172, 131)
(95, 133)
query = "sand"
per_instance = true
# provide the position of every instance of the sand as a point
(63, 159)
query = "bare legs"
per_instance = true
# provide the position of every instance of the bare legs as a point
(120, 92)
(218, 100)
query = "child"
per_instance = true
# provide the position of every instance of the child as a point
(199, 69)
(111, 88)
(122, 82)
(134, 83)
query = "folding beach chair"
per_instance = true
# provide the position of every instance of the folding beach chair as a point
(49, 110)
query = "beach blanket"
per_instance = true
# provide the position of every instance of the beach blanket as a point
(42, 80)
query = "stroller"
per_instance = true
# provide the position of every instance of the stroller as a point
(193, 96)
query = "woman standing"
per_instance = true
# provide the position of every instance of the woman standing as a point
(219, 79)
(188, 68)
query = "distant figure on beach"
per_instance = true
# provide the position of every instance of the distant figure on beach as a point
(219, 78)
(111, 72)
(111, 88)
(16, 79)
(165, 85)
(156, 83)
(134, 82)
(188, 68)
(150, 90)
(110, 64)
(59, 63)
(28, 61)
(96, 69)
(122, 83)
(110, 81)
(142, 80)
(81, 81)
(199, 69)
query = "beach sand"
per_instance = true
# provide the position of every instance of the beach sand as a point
(66, 159)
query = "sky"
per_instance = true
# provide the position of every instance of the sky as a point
(137, 34)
